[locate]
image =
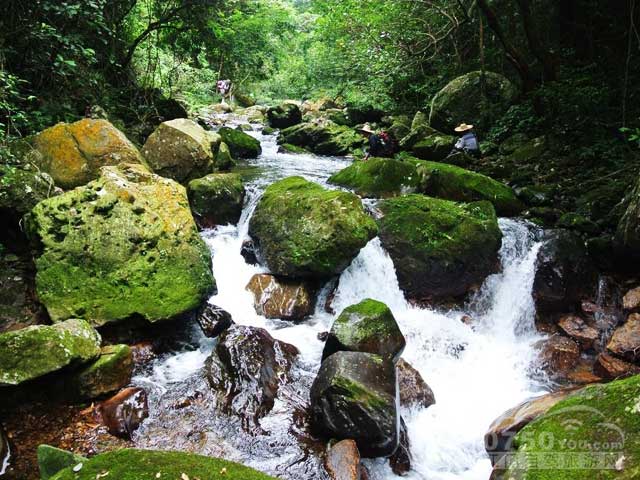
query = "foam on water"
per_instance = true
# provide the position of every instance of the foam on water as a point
(476, 371)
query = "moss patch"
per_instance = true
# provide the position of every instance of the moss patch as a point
(122, 245)
(304, 230)
(377, 177)
(597, 422)
(217, 199)
(241, 145)
(133, 464)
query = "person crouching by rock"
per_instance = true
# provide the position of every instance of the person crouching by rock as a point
(380, 144)
(468, 141)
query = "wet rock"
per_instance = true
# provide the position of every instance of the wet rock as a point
(245, 127)
(147, 464)
(377, 178)
(281, 298)
(354, 397)
(450, 182)
(558, 355)
(74, 153)
(123, 413)
(323, 336)
(564, 273)
(213, 320)
(5, 451)
(631, 300)
(414, 391)
(439, 248)
(597, 415)
(343, 461)
(133, 250)
(35, 351)
(459, 100)
(625, 342)
(401, 459)
(367, 327)
(143, 352)
(574, 221)
(181, 150)
(323, 138)
(498, 440)
(216, 199)
(305, 231)
(247, 369)
(612, 368)
(241, 144)
(248, 252)
(576, 328)
(51, 460)
(109, 373)
(288, 148)
(284, 116)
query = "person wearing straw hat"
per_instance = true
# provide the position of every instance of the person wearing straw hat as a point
(380, 144)
(468, 141)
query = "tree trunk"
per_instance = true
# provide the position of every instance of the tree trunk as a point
(513, 54)
(535, 44)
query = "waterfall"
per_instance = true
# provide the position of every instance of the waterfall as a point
(477, 369)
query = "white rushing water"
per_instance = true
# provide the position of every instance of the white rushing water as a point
(477, 369)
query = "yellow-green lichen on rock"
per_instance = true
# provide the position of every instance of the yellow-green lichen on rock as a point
(181, 150)
(124, 245)
(74, 153)
(35, 351)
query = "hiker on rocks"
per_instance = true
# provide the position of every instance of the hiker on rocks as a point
(223, 87)
(380, 144)
(468, 141)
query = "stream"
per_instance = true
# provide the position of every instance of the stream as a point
(477, 369)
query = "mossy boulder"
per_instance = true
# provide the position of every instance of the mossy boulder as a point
(134, 464)
(450, 182)
(123, 245)
(181, 150)
(285, 115)
(216, 199)
(74, 153)
(461, 100)
(109, 373)
(51, 460)
(420, 129)
(288, 148)
(241, 144)
(305, 231)
(35, 351)
(434, 147)
(354, 397)
(323, 138)
(439, 248)
(599, 426)
(224, 160)
(377, 177)
(368, 326)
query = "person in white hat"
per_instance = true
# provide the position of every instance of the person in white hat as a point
(468, 141)
(380, 144)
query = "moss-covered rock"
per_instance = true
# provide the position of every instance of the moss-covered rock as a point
(529, 151)
(35, 351)
(323, 138)
(439, 248)
(598, 426)
(288, 148)
(434, 147)
(241, 144)
(461, 100)
(303, 230)
(285, 115)
(368, 326)
(377, 177)
(22, 187)
(109, 373)
(125, 244)
(420, 129)
(354, 397)
(51, 460)
(216, 199)
(224, 160)
(133, 464)
(74, 153)
(181, 150)
(450, 182)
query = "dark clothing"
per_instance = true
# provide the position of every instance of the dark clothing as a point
(377, 147)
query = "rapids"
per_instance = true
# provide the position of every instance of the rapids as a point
(477, 369)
